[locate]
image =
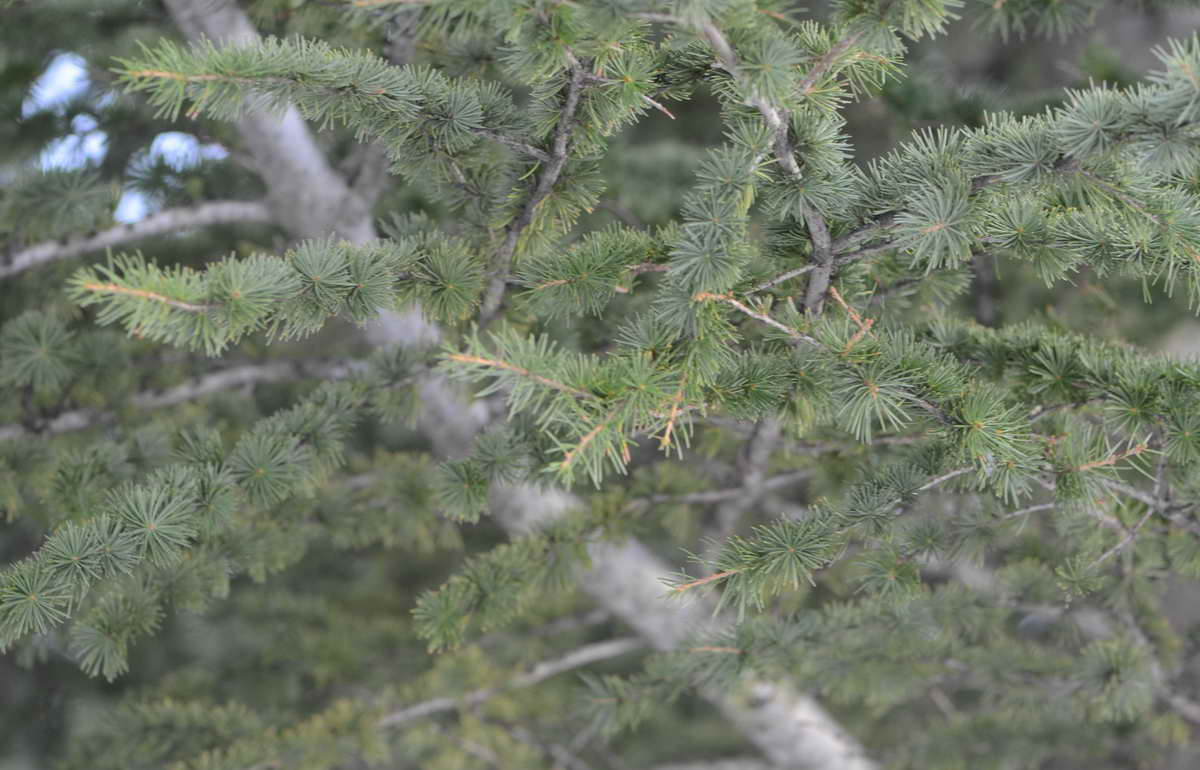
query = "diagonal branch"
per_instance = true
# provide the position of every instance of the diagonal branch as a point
(583, 656)
(761, 317)
(162, 223)
(198, 387)
(778, 121)
(522, 371)
(307, 197)
(560, 150)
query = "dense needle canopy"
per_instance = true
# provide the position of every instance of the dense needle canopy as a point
(599, 384)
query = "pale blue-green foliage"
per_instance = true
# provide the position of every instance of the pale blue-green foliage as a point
(289, 296)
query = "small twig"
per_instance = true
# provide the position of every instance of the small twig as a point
(112, 288)
(586, 655)
(658, 106)
(864, 327)
(515, 144)
(665, 442)
(780, 279)
(1128, 539)
(649, 267)
(1030, 509)
(498, 364)
(1121, 195)
(943, 478)
(1112, 459)
(717, 648)
(764, 318)
(704, 580)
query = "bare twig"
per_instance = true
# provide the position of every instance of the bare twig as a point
(222, 379)
(162, 223)
(780, 279)
(496, 363)
(545, 185)
(583, 656)
(762, 317)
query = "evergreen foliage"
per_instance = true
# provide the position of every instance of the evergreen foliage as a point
(957, 534)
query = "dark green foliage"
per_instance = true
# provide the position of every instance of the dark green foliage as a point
(957, 533)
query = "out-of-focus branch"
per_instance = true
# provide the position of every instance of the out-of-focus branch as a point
(162, 223)
(745, 763)
(790, 728)
(223, 379)
(583, 656)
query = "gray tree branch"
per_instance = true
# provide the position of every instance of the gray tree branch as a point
(308, 198)
(222, 379)
(169, 221)
(583, 656)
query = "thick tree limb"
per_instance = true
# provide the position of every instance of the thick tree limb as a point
(162, 223)
(627, 579)
(791, 729)
(307, 197)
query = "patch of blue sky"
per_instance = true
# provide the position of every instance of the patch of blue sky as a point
(66, 78)
(182, 151)
(75, 150)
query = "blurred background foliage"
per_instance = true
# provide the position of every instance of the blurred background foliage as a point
(329, 626)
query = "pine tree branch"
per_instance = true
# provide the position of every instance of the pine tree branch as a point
(307, 197)
(498, 364)
(578, 658)
(162, 223)
(705, 296)
(627, 579)
(717, 576)
(198, 387)
(560, 151)
(778, 122)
